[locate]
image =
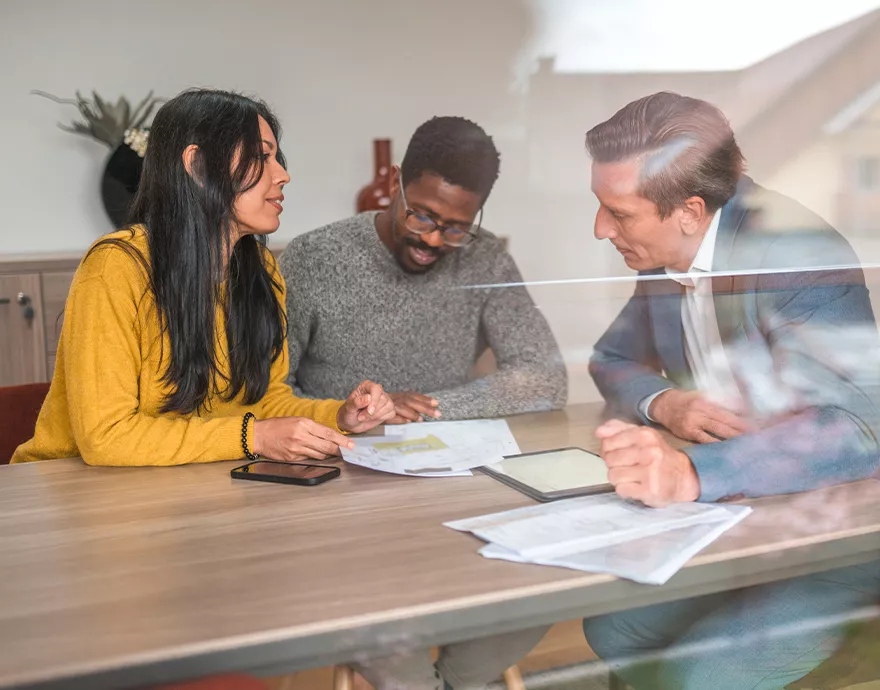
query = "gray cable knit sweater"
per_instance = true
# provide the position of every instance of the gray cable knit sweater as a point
(354, 314)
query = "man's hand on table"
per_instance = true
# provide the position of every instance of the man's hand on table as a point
(409, 407)
(642, 466)
(688, 415)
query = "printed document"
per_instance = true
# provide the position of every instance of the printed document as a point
(492, 434)
(604, 533)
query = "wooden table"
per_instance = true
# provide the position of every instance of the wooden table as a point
(117, 578)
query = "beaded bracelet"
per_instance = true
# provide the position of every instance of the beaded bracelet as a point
(248, 416)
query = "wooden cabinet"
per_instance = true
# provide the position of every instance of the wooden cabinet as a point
(22, 338)
(33, 291)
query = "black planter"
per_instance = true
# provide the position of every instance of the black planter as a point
(122, 174)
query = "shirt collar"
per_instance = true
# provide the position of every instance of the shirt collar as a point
(702, 262)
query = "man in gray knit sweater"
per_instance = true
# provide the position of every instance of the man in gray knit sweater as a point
(410, 297)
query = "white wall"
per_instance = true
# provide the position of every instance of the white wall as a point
(814, 178)
(338, 73)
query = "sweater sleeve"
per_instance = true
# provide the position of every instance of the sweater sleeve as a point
(102, 367)
(531, 374)
(280, 400)
(625, 365)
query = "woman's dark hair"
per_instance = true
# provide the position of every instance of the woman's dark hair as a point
(188, 220)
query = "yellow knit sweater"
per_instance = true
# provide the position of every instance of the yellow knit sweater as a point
(107, 389)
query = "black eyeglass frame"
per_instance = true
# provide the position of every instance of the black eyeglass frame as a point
(471, 235)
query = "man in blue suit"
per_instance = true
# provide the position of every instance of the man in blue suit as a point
(750, 333)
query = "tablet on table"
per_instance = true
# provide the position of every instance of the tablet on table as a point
(549, 475)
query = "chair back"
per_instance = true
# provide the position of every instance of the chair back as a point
(19, 408)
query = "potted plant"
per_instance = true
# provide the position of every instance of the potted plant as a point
(121, 128)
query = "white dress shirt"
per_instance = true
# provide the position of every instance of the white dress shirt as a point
(703, 348)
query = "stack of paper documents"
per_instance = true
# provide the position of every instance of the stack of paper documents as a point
(434, 449)
(604, 534)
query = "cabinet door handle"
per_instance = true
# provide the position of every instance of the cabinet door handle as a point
(27, 309)
(5, 300)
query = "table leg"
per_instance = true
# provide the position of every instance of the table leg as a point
(343, 678)
(513, 679)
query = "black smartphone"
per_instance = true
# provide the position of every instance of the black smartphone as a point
(299, 473)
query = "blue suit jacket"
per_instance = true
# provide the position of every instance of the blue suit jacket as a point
(798, 331)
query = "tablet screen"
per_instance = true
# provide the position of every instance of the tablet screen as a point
(555, 470)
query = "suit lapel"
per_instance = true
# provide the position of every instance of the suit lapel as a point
(665, 295)
(727, 289)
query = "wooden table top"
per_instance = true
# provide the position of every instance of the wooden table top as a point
(122, 577)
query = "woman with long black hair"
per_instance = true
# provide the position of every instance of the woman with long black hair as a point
(173, 348)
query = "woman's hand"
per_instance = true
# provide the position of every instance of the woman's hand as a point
(293, 439)
(367, 406)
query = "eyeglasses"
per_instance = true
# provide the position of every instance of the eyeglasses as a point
(453, 236)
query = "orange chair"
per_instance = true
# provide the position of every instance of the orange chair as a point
(19, 407)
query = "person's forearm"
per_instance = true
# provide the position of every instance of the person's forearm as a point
(282, 401)
(143, 440)
(817, 447)
(625, 384)
(298, 391)
(506, 392)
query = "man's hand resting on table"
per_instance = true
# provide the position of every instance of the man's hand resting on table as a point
(409, 407)
(688, 415)
(644, 467)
